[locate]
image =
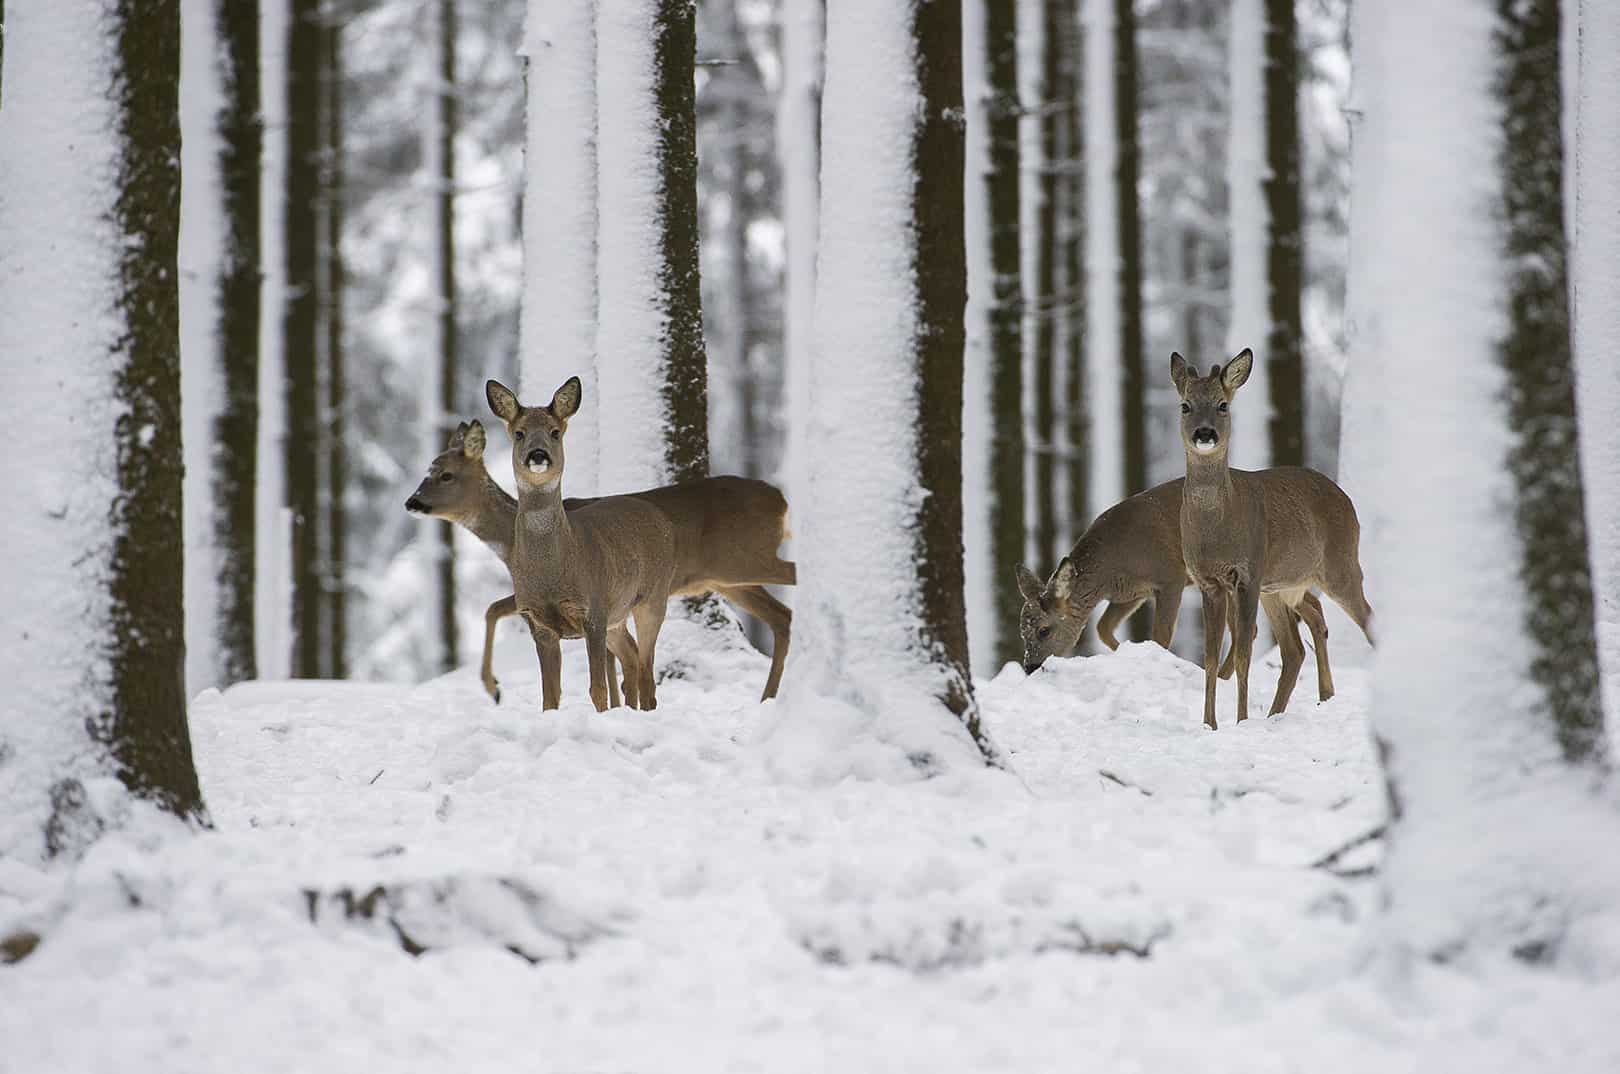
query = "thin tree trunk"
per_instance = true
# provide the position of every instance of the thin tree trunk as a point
(993, 481)
(448, 641)
(1077, 510)
(301, 325)
(798, 139)
(1044, 300)
(740, 85)
(1134, 401)
(336, 451)
(236, 430)
(1285, 247)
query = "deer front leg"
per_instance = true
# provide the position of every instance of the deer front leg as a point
(621, 645)
(596, 653)
(1116, 613)
(1214, 630)
(1247, 600)
(548, 647)
(649, 620)
(496, 612)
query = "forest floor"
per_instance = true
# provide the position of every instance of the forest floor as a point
(692, 907)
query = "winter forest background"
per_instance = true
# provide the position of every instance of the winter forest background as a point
(921, 264)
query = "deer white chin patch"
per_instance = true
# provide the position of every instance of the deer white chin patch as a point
(1204, 447)
(538, 467)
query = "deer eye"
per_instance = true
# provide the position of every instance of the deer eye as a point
(518, 435)
(1186, 408)
(1222, 408)
(1044, 632)
(556, 434)
(447, 477)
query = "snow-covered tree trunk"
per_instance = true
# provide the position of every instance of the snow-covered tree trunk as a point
(1266, 219)
(439, 404)
(880, 663)
(992, 414)
(272, 544)
(1105, 339)
(798, 147)
(300, 341)
(649, 343)
(336, 425)
(219, 317)
(1596, 285)
(94, 657)
(1039, 137)
(1465, 464)
(1074, 426)
(560, 220)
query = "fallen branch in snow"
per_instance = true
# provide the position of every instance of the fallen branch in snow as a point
(1105, 774)
(430, 915)
(1327, 861)
(17, 946)
(1082, 943)
(375, 778)
(962, 943)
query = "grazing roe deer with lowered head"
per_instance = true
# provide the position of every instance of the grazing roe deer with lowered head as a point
(458, 489)
(1129, 554)
(1260, 539)
(727, 532)
(581, 571)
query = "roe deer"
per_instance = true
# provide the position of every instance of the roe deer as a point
(1260, 539)
(727, 532)
(1130, 553)
(458, 489)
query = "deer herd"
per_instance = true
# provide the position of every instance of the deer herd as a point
(586, 568)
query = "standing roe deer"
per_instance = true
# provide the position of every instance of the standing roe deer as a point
(1130, 553)
(1260, 538)
(727, 532)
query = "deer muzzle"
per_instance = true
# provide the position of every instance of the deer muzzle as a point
(1205, 439)
(538, 461)
(415, 506)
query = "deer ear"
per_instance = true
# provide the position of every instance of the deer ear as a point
(1061, 584)
(1028, 584)
(1237, 371)
(502, 401)
(565, 404)
(472, 444)
(1179, 371)
(457, 437)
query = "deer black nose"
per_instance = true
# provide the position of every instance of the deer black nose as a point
(1030, 669)
(415, 506)
(1204, 435)
(538, 458)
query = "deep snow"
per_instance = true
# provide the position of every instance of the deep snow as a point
(730, 914)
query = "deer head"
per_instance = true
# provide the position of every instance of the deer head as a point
(1206, 419)
(1049, 624)
(537, 432)
(454, 486)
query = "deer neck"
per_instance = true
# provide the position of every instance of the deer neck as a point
(1209, 481)
(541, 534)
(494, 521)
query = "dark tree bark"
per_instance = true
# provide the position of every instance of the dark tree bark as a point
(1006, 330)
(1134, 397)
(145, 728)
(1072, 237)
(301, 328)
(449, 636)
(1544, 458)
(1285, 253)
(1043, 289)
(236, 430)
(336, 387)
(686, 384)
(941, 280)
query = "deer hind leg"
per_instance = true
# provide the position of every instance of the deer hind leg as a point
(1214, 632)
(649, 620)
(622, 646)
(1344, 589)
(1285, 628)
(1116, 613)
(1310, 610)
(486, 670)
(1166, 607)
(774, 614)
(1229, 665)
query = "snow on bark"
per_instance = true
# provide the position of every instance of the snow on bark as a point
(649, 341)
(273, 595)
(1595, 274)
(871, 676)
(1478, 778)
(798, 146)
(1250, 226)
(1104, 332)
(202, 239)
(560, 223)
(992, 419)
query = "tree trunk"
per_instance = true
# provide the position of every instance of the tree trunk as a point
(336, 450)
(241, 131)
(1074, 436)
(650, 353)
(1487, 418)
(560, 223)
(798, 141)
(89, 356)
(1285, 246)
(1104, 338)
(1041, 300)
(1250, 226)
(739, 89)
(993, 479)
(1128, 206)
(439, 395)
(884, 649)
(1596, 278)
(301, 329)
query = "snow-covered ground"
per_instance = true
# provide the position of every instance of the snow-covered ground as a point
(697, 907)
